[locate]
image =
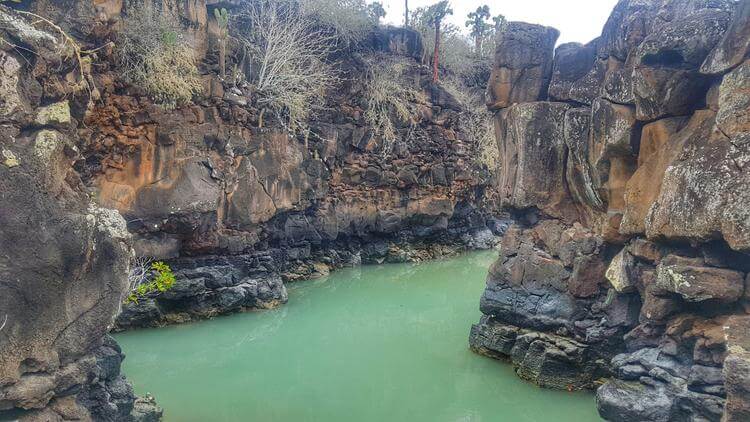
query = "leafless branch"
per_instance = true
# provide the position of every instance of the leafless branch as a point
(291, 73)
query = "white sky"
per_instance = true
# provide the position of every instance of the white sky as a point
(577, 20)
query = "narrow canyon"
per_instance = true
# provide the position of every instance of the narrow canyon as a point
(172, 139)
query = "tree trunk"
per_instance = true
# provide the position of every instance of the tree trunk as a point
(406, 13)
(436, 54)
(478, 45)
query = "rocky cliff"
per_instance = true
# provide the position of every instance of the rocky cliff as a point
(238, 205)
(625, 163)
(64, 259)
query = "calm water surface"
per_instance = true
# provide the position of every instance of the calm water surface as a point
(376, 343)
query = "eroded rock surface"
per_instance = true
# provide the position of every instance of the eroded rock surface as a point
(628, 259)
(238, 205)
(64, 259)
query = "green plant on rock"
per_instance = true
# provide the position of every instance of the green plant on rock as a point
(153, 53)
(158, 277)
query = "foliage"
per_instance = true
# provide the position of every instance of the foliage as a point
(156, 278)
(289, 53)
(479, 26)
(347, 21)
(437, 12)
(376, 11)
(153, 53)
(389, 98)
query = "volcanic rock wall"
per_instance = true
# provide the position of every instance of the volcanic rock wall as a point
(63, 259)
(237, 206)
(625, 161)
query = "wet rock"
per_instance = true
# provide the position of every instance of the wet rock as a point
(544, 359)
(523, 65)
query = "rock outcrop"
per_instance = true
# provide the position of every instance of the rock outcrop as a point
(238, 205)
(64, 259)
(629, 257)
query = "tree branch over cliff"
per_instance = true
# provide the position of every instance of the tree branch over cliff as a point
(290, 71)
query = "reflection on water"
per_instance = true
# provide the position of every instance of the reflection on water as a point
(374, 343)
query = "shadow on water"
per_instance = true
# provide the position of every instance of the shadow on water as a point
(374, 343)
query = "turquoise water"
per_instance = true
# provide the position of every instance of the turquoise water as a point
(376, 343)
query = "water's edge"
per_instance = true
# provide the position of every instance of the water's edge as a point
(385, 342)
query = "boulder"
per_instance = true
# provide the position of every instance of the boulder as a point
(620, 272)
(523, 65)
(399, 41)
(733, 117)
(698, 284)
(734, 47)
(666, 78)
(571, 64)
(532, 142)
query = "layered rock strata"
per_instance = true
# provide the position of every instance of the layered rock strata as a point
(628, 264)
(63, 259)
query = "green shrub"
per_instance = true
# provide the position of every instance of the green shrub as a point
(154, 54)
(156, 278)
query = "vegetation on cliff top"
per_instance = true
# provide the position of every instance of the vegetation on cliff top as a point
(154, 53)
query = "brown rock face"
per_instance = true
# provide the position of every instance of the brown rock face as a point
(523, 67)
(64, 259)
(531, 137)
(652, 168)
(734, 46)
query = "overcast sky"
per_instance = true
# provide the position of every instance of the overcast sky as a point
(577, 20)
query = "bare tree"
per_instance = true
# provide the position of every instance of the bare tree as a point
(140, 268)
(290, 72)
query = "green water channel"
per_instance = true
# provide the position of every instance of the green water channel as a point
(376, 343)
